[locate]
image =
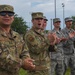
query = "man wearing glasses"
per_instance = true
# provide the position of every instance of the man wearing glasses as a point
(13, 51)
(68, 48)
(57, 64)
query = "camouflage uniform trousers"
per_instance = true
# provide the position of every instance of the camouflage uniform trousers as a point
(57, 63)
(7, 73)
(41, 72)
(69, 61)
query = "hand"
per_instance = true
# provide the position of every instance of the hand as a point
(52, 38)
(28, 64)
(57, 40)
(72, 34)
(64, 39)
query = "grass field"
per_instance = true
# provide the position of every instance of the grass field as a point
(23, 72)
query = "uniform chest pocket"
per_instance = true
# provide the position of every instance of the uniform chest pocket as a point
(5, 47)
(4, 50)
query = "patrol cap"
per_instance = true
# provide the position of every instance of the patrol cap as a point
(37, 15)
(44, 17)
(56, 20)
(6, 8)
(68, 19)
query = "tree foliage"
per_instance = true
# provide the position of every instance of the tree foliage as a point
(19, 25)
(73, 23)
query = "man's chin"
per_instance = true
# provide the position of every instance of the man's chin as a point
(6, 25)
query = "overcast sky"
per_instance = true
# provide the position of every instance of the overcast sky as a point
(24, 8)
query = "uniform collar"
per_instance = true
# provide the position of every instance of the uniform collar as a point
(3, 33)
(39, 31)
(57, 31)
(68, 29)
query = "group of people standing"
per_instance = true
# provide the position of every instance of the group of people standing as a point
(38, 52)
(64, 57)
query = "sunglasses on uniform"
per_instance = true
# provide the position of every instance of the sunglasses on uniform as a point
(6, 13)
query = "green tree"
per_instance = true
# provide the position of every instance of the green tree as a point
(73, 24)
(19, 25)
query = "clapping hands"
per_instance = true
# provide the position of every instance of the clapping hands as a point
(28, 64)
(72, 34)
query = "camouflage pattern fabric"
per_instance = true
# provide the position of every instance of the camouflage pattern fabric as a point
(69, 51)
(57, 58)
(42, 72)
(6, 8)
(11, 53)
(37, 15)
(38, 45)
(56, 20)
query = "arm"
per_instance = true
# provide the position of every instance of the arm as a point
(27, 62)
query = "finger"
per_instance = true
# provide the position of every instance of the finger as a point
(29, 59)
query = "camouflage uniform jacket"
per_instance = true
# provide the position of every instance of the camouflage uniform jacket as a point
(38, 45)
(11, 53)
(69, 44)
(59, 35)
(59, 51)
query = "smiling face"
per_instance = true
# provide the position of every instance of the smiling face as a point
(6, 18)
(37, 22)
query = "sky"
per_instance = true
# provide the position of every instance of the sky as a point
(24, 8)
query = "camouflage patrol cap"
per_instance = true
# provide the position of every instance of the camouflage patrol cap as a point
(37, 15)
(56, 20)
(6, 8)
(68, 19)
(44, 17)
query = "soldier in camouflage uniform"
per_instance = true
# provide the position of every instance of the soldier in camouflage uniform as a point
(38, 45)
(45, 23)
(13, 52)
(57, 64)
(69, 50)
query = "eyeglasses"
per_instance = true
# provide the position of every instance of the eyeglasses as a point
(58, 22)
(6, 13)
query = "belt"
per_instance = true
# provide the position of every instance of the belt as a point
(37, 68)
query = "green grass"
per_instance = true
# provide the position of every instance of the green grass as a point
(68, 71)
(23, 72)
